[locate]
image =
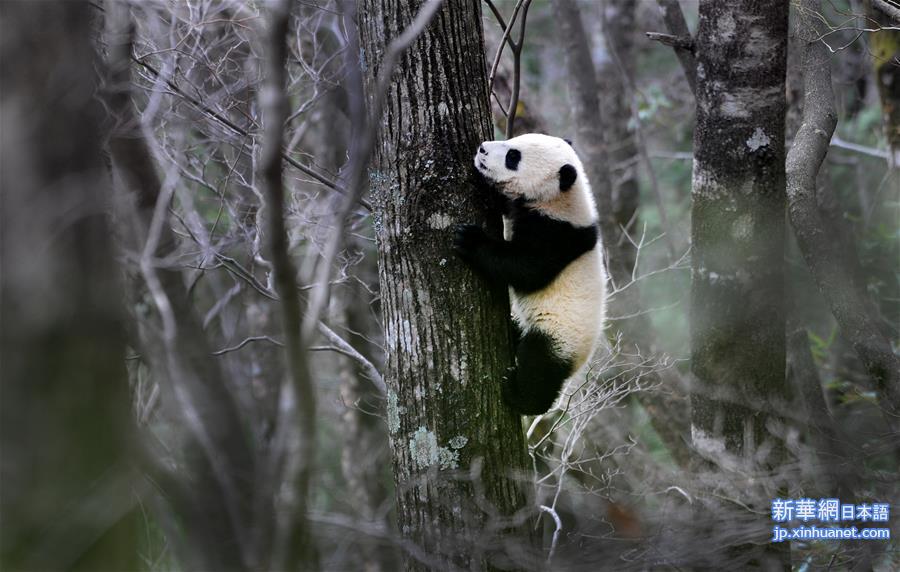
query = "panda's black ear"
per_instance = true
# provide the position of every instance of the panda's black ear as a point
(569, 141)
(567, 176)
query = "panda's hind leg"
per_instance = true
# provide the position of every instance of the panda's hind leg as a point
(539, 375)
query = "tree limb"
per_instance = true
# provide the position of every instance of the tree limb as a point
(680, 39)
(680, 42)
(819, 250)
(888, 8)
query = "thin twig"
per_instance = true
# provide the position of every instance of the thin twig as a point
(246, 341)
(215, 115)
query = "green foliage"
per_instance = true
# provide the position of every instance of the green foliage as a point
(820, 346)
(654, 99)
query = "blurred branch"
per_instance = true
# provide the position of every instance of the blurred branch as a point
(348, 350)
(293, 545)
(558, 528)
(642, 146)
(817, 420)
(237, 129)
(246, 341)
(856, 147)
(216, 116)
(819, 250)
(679, 38)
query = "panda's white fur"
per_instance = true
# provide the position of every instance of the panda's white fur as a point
(571, 308)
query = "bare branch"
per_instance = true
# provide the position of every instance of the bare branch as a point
(246, 341)
(503, 39)
(861, 149)
(178, 350)
(216, 116)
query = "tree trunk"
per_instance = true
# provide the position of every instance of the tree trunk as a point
(446, 332)
(737, 293)
(68, 484)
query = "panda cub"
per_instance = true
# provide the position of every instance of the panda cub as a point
(550, 258)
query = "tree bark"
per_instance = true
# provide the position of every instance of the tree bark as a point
(68, 484)
(738, 200)
(446, 332)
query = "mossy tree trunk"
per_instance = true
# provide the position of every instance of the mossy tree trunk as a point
(738, 213)
(455, 445)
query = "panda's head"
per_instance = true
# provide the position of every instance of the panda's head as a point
(532, 167)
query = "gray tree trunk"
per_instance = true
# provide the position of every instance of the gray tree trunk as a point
(67, 482)
(738, 212)
(446, 333)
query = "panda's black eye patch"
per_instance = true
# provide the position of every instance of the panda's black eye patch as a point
(513, 156)
(567, 176)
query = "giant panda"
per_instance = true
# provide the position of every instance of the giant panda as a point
(550, 258)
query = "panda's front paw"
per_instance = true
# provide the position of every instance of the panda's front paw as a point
(467, 238)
